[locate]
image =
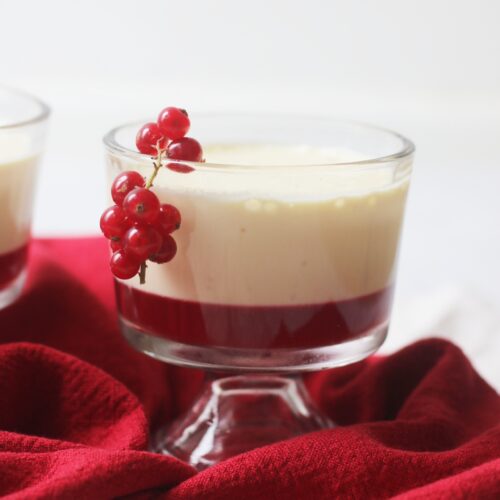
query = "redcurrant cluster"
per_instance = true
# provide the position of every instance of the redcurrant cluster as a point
(168, 133)
(138, 226)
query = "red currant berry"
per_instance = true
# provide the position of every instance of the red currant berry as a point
(124, 266)
(180, 168)
(116, 245)
(113, 222)
(187, 148)
(149, 138)
(142, 205)
(169, 219)
(142, 241)
(173, 122)
(124, 183)
(167, 251)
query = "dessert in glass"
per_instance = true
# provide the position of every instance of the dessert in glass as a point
(285, 263)
(23, 123)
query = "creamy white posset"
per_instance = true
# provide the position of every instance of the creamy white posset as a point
(17, 182)
(272, 234)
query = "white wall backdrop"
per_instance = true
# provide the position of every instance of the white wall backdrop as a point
(428, 68)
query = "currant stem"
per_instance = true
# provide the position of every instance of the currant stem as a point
(157, 164)
(142, 273)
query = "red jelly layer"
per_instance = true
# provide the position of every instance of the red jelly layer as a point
(255, 327)
(11, 264)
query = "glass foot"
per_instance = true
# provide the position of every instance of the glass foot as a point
(239, 413)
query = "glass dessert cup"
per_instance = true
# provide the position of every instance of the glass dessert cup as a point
(23, 123)
(286, 264)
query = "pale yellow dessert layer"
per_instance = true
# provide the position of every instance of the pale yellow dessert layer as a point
(284, 236)
(17, 181)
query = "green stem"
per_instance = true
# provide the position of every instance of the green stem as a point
(157, 164)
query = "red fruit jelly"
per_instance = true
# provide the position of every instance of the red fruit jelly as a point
(253, 327)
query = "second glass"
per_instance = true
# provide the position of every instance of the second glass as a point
(23, 124)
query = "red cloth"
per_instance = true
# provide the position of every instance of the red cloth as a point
(74, 411)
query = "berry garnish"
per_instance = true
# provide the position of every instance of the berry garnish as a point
(124, 266)
(142, 205)
(187, 149)
(124, 183)
(138, 227)
(113, 222)
(150, 140)
(166, 252)
(173, 123)
(169, 219)
(141, 242)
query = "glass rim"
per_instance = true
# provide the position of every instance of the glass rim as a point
(406, 149)
(42, 113)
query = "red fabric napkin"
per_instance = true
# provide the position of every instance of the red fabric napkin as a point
(76, 403)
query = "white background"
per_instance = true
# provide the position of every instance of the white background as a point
(428, 68)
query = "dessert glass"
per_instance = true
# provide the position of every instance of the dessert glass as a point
(282, 268)
(23, 124)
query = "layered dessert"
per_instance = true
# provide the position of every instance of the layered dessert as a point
(271, 253)
(17, 181)
(252, 243)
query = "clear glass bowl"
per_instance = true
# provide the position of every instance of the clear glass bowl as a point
(282, 267)
(23, 125)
